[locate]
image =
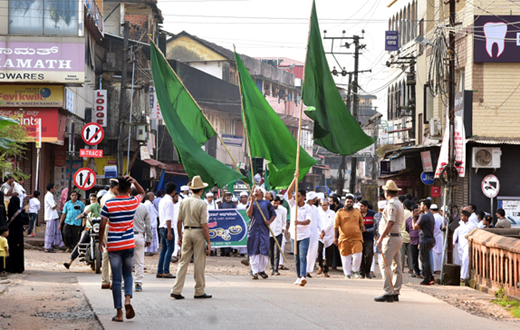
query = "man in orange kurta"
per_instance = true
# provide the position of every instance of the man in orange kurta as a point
(348, 228)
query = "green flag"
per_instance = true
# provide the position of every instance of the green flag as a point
(334, 127)
(187, 126)
(268, 136)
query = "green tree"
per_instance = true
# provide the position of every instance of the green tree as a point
(13, 137)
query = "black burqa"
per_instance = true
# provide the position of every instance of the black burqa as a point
(3, 219)
(15, 239)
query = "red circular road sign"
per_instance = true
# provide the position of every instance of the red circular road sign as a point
(85, 178)
(92, 134)
(490, 186)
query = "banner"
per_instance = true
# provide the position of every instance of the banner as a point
(31, 96)
(228, 228)
(99, 114)
(459, 144)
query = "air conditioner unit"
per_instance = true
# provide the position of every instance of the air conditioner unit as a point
(435, 127)
(486, 157)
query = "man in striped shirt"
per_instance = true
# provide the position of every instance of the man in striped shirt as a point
(119, 212)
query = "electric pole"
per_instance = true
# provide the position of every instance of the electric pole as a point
(355, 110)
(122, 100)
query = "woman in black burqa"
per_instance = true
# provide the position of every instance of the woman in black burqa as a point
(16, 219)
(3, 216)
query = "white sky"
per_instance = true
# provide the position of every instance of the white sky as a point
(279, 28)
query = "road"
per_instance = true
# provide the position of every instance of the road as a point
(241, 303)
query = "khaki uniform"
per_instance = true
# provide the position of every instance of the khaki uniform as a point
(393, 212)
(193, 213)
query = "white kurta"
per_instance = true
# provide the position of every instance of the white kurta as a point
(326, 224)
(439, 241)
(313, 242)
(459, 237)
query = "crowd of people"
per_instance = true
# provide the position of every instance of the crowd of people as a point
(402, 234)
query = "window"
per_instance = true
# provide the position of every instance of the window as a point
(46, 17)
(428, 104)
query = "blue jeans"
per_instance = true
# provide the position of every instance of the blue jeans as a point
(300, 256)
(167, 248)
(31, 224)
(121, 263)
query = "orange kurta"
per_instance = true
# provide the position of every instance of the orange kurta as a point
(348, 224)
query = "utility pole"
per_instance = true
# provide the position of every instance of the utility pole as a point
(352, 90)
(122, 99)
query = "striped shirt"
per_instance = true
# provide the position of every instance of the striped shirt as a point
(120, 213)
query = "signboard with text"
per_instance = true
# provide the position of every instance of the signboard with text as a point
(99, 112)
(31, 96)
(391, 41)
(42, 62)
(228, 228)
(496, 39)
(94, 153)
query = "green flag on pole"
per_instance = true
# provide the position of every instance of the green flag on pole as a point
(187, 125)
(335, 128)
(268, 136)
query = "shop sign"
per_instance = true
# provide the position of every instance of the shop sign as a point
(99, 115)
(398, 164)
(232, 140)
(428, 178)
(391, 41)
(496, 39)
(42, 62)
(52, 123)
(426, 159)
(155, 110)
(31, 96)
(436, 191)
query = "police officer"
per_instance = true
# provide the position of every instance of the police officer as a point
(194, 216)
(390, 242)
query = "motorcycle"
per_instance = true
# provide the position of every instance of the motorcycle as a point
(89, 252)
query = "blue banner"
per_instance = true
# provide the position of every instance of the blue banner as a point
(228, 228)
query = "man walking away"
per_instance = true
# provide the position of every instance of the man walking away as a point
(166, 219)
(425, 225)
(120, 212)
(143, 238)
(348, 237)
(390, 242)
(437, 233)
(193, 215)
(52, 232)
(278, 228)
(106, 272)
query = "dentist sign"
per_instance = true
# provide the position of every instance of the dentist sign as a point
(497, 39)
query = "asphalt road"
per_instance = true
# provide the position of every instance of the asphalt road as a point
(241, 303)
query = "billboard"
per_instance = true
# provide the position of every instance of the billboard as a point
(496, 39)
(31, 96)
(52, 123)
(42, 62)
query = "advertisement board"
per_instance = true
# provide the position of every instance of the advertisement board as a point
(42, 62)
(391, 41)
(511, 206)
(53, 123)
(31, 96)
(99, 113)
(228, 228)
(496, 39)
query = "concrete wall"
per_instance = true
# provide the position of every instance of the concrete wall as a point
(262, 69)
(211, 68)
(113, 22)
(184, 49)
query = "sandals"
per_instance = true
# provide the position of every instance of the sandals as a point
(282, 267)
(115, 319)
(129, 312)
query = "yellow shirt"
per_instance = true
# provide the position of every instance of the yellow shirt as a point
(193, 212)
(4, 246)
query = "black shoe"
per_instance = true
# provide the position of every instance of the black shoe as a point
(67, 265)
(309, 275)
(176, 296)
(396, 297)
(369, 276)
(425, 282)
(385, 298)
(204, 296)
(263, 274)
(291, 253)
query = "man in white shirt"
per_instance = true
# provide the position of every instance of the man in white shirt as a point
(20, 191)
(142, 237)
(437, 233)
(299, 229)
(176, 206)
(34, 207)
(459, 237)
(473, 217)
(8, 190)
(166, 221)
(211, 203)
(326, 227)
(185, 193)
(278, 228)
(242, 204)
(154, 246)
(314, 238)
(52, 233)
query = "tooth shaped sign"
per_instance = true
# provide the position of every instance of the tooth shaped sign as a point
(496, 39)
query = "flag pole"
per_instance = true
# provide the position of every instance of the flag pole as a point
(298, 142)
(218, 136)
(251, 159)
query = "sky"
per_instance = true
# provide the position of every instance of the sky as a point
(279, 28)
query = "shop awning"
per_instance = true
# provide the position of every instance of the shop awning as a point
(494, 140)
(153, 162)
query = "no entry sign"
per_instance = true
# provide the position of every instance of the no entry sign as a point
(490, 186)
(85, 178)
(92, 134)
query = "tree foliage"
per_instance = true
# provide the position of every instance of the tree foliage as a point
(13, 137)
